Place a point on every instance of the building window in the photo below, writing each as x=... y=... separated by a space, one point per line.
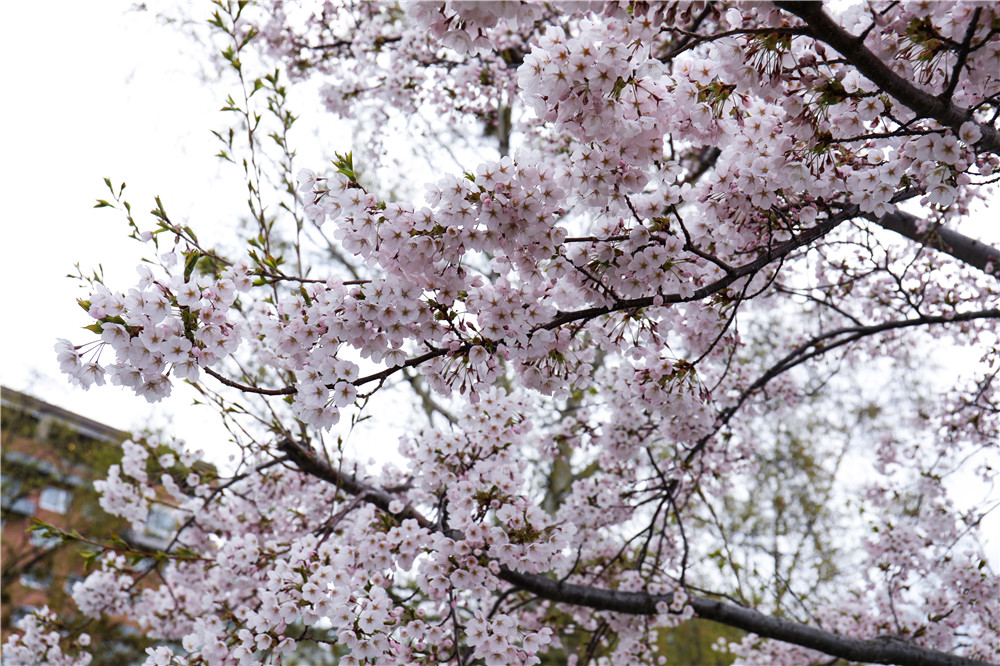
x=55 y=499
x=9 y=487
x=161 y=521
x=36 y=579
x=145 y=564
x=23 y=506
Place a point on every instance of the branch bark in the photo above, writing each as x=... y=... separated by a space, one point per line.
x=772 y=254
x=765 y=258
x=308 y=462
x=968 y=250
x=823 y=344
x=880 y=650
x=825 y=29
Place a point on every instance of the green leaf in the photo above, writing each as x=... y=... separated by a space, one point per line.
x=345 y=164
x=89 y=557
x=189 y=265
x=39 y=525
x=616 y=90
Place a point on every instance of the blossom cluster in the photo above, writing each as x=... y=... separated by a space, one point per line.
x=40 y=642
x=681 y=239
x=158 y=330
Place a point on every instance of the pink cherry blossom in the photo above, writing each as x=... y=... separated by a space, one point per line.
x=649 y=292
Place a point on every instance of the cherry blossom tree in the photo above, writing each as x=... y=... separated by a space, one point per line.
x=659 y=284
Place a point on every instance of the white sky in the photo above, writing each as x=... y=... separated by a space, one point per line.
x=92 y=90
x=103 y=91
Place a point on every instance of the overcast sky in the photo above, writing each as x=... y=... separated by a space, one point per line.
x=92 y=90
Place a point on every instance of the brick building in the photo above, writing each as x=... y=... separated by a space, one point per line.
x=50 y=459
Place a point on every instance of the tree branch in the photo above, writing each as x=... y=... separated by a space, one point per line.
x=875 y=651
x=963 y=54
x=825 y=29
x=968 y=250
x=878 y=650
x=309 y=463
x=772 y=254
x=823 y=344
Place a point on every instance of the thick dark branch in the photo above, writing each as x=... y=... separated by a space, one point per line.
x=831 y=340
x=288 y=390
x=824 y=344
x=877 y=650
x=703 y=161
x=968 y=250
x=825 y=29
x=874 y=651
x=963 y=54
x=771 y=255
x=311 y=464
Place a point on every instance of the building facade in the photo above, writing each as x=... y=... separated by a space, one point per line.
x=50 y=460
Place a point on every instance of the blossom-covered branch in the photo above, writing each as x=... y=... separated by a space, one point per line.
x=616 y=276
x=973 y=252
x=853 y=48
x=878 y=650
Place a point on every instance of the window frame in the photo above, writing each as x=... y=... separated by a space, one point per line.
x=46 y=502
